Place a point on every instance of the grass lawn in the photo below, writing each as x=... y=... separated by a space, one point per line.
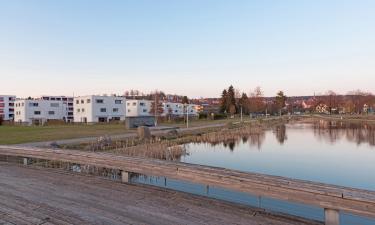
x=25 y=134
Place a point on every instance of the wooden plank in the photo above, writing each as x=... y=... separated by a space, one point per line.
x=351 y=200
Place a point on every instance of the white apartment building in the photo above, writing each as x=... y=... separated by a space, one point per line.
x=95 y=108
x=138 y=108
x=179 y=109
x=7 y=107
x=66 y=101
x=38 y=111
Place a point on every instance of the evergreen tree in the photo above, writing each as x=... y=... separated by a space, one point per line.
x=280 y=100
x=223 y=101
x=231 y=100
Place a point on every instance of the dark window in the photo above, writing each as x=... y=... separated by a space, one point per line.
x=99 y=101
x=103 y=110
x=118 y=101
x=36 y=112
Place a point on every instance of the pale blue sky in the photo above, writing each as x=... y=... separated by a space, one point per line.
x=192 y=47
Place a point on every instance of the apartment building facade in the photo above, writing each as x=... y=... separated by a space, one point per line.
x=40 y=110
x=67 y=102
x=138 y=108
x=179 y=109
x=96 y=108
x=7 y=107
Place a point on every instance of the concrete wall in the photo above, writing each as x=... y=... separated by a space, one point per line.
x=134 y=122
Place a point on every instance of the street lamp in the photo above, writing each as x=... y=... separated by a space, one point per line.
x=187 y=114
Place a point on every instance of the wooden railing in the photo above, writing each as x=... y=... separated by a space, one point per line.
x=331 y=198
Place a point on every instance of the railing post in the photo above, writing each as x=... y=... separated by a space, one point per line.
x=25 y=161
x=125 y=177
x=331 y=217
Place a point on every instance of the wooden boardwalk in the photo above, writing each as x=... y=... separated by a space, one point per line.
x=329 y=197
x=30 y=195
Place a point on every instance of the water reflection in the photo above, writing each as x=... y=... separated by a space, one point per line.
x=323 y=130
x=280 y=133
x=333 y=131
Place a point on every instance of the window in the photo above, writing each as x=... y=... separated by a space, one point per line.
x=99 y=101
x=82 y=101
x=82 y=110
x=115 y=109
x=144 y=110
x=103 y=110
x=54 y=104
x=118 y=101
x=88 y=100
x=167 y=106
x=129 y=110
x=51 y=112
x=128 y=103
x=78 y=110
x=36 y=112
x=142 y=104
x=77 y=101
x=33 y=104
x=134 y=103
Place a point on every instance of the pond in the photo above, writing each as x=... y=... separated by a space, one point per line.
x=322 y=151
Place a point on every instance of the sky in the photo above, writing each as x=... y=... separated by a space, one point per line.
x=188 y=47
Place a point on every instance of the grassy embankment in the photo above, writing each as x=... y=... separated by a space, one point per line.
x=16 y=134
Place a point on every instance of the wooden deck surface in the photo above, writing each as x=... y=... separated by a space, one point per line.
x=356 y=201
x=30 y=195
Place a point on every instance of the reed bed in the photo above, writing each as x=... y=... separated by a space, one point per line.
x=172 y=147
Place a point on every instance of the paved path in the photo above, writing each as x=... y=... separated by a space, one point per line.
x=30 y=195
x=154 y=131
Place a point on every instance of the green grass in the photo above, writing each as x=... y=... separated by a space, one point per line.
x=25 y=134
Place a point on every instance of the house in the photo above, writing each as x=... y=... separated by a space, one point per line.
x=67 y=102
x=322 y=108
x=99 y=108
x=179 y=109
x=40 y=110
x=7 y=107
x=138 y=113
x=137 y=107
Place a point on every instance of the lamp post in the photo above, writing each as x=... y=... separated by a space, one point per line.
x=187 y=115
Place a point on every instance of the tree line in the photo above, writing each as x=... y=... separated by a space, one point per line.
x=354 y=102
x=234 y=101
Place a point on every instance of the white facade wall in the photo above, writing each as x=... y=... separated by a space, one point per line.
x=95 y=108
x=7 y=106
x=136 y=108
x=38 y=111
x=67 y=102
x=179 y=109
